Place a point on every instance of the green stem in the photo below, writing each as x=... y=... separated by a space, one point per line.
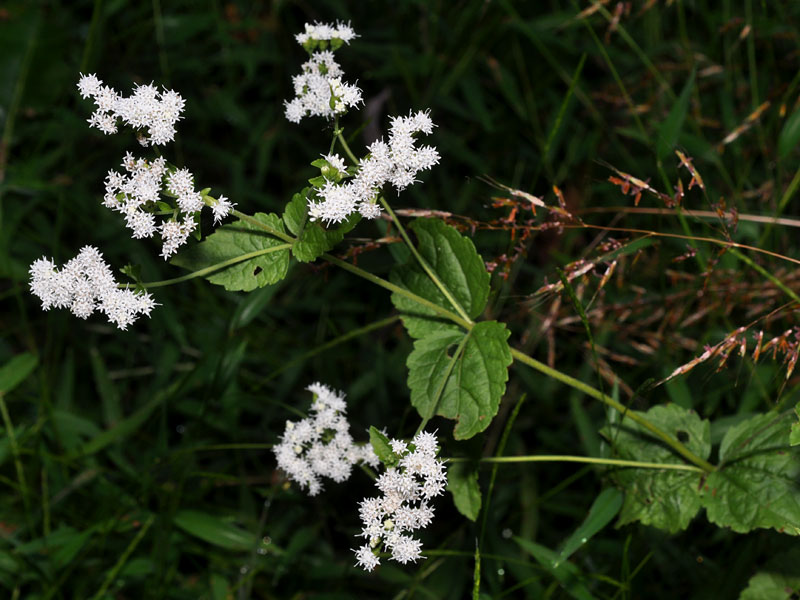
x=212 y=268
x=12 y=441
x=613 y=462
x=621 y=408
x=347 y=150
x=256 y=223
x=424 y=263
x=399 y=290
x=112 y=574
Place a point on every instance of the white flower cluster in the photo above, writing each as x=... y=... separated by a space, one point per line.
x=320 y=91
x=145 y=108
x=404 y=506
x=86 y=284
x=138 y=189
x=321 y=445
x=323 y=32
x=396 y=162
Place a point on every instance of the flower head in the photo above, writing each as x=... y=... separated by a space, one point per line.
x=407 y=489
x=86 y=284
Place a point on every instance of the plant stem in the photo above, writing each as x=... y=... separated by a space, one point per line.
x=212 y=268
x=424 y=263
x=613 y=462
x=112 y=574
x=347 y=150
x=622 y=409
x=399 y=290
x=12 y=441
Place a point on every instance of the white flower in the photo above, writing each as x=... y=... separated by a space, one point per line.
x=146 y=108
x=86 y=284
x=404 y=506
x=318 y=32
x=174 y=234
x=321 y=445
x=396 y=162
x=222 y=208
x=320 y=91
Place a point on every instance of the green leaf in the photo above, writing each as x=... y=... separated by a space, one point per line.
x=313 y=240
x=235 y=240
x=214 y=530
x=460 y=375
x=790 y=135
x=794 y=434
x=757 y=483
x=604 y=508
x=664 y=499
x=670 y=129
x=462 y=482
x=382 y=448
x=458 y=266
x=779 y=580
x=16 y=371
x=567 y=574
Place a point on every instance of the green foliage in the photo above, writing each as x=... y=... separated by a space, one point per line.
x=757 y=483
x=790 y=135
x=665 y=499
x=462 y=482
x=215 y=530
x=16 y=370
x=604 y=508
x=671 y=128
x=460 y=375
x=269 y=264
x=778 y=580
x=567 y=574
x=456 y=263
x=382 y=447
x=313 y=239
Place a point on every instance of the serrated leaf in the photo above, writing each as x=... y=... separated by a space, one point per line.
x=794 y=434
x=461 y=375
x=778 y=580
x=214 y=530
x=757 y=484
x=313 y=239
x=604 y=508
x=382 y=448
x=459 y=267
x=671 y=127
x=790 y=135
x=234 y=240
x=666 y=499
x=16 y=371
x=462 y=482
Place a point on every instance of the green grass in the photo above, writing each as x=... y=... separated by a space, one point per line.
x=136 y=464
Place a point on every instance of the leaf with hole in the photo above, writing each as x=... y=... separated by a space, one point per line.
x=667 y=499
x=268 y=259
x=460 y=375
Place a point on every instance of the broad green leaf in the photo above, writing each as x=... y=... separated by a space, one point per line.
x=460 y=375
x=757 y=484
x=458 y=266
x=462 y=482
x=794 y=434
x=778 y=580
x=214 y=530
x=112 y=409
x=666 y=499
x=235 y=240
x=604 y=508
x=16 y=371
x=567 y=574
x=670 y=129
x=382 y=448
x=313 y=239
x=790 y=135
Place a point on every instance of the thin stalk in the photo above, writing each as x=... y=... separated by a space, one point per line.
x=212 y=268
x=112 y=574
x=346 y=148
x=399 y=290
x=256 y=223
x=424 y=263
x=612 y=462
x=619 y=407
x=12 y=441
